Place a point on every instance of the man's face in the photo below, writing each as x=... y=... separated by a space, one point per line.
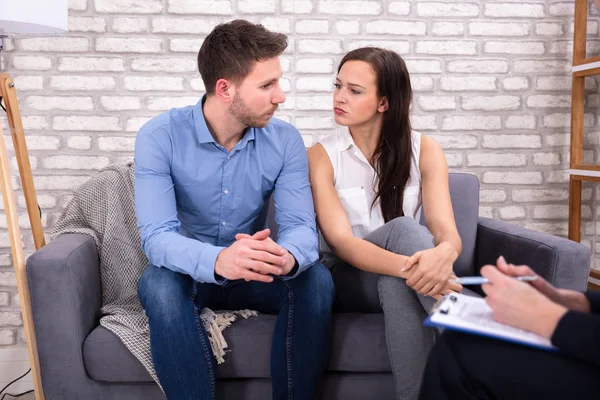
x=258 y=94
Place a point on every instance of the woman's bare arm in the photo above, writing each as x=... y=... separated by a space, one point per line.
x=335 y=226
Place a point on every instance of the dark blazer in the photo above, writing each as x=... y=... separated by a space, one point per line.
x=578 y=334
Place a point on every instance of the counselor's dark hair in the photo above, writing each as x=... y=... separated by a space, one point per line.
x=392 y=156
x=232 y=48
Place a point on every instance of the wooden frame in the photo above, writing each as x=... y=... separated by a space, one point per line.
x=577 y=112
x=582 y=66
x=8 y=93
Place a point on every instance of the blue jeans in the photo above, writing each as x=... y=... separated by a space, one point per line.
x=181 y=351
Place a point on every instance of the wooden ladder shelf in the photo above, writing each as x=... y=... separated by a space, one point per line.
x=579 y=172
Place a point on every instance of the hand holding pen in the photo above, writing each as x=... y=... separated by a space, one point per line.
x=519 y=304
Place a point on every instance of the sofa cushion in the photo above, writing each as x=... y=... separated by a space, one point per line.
x=107 y=359
x=358 y=346
x=464 y=193
x=335 y=385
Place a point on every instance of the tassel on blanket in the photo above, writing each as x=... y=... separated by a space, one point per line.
x=214 y=323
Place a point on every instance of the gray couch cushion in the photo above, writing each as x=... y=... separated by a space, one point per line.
x=346 y=386
x=464 y=193
x=107 y=359
x=359 y=346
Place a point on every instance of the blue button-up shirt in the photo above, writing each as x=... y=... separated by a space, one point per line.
x=192 y=196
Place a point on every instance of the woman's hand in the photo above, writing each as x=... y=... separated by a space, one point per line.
x=432 y=269
x=571 y=299
x=519 y=304
x=450 y=287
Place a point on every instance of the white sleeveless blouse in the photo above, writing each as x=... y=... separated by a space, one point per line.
x=353 y=178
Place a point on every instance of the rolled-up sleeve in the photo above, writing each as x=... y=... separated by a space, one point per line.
x=294 y=206
x=156 y=211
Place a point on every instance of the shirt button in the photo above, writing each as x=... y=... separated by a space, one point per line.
x=225 y=191
x=223 y=223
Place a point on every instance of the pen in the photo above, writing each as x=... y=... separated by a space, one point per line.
x=479 y=280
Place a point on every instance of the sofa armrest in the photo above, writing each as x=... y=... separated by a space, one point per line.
x=65 y=289
x=562 y=262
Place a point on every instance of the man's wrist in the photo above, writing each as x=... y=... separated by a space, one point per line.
x=219 y=279
x=292 y=260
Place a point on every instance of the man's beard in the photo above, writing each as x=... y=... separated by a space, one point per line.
x=240 y=111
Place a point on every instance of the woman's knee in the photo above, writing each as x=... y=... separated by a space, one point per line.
x=411 y=233
x=407 y=224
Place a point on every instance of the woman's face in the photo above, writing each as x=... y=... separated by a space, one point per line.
x=355 y=99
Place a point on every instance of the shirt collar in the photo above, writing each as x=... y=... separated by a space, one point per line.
x=204 y=135
x=248 y=136
x=345 y=139
x=202 y=131
x=347 y=144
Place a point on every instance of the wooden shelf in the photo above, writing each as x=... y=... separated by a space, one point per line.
x=579 y=172
x=586 y=167
x=586 y=69
x=584 y=175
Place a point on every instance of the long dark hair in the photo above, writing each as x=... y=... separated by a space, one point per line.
x=392 y=156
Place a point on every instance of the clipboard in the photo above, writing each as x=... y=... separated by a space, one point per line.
x=472 y=315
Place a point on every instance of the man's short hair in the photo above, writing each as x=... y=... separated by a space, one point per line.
x=231 y=49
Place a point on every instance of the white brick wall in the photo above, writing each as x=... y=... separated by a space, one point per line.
x=491 y=82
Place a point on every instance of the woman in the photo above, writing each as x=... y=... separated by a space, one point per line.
x=369 y=180
x=464 y=367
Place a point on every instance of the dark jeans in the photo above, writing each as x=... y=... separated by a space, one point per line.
x=469 y=367
x=181 y=350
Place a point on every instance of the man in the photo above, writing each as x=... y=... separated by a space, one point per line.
x=203 y=178
x=463 y=366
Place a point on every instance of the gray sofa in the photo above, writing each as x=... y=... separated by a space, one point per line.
x=81 y=360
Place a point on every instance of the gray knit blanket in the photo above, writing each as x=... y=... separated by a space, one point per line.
x=103 y=208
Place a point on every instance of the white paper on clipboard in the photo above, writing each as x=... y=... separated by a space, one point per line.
x=472 y=315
